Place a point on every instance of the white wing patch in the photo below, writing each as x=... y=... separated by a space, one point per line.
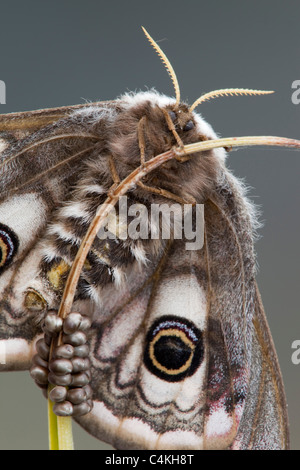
x=134 y=434
x=24 y=214
x=3 y=145
x=147 y=398
x=16 y=354
x=181 y=296
x=122 y=329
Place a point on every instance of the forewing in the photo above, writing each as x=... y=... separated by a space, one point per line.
x=41 y=158
x=21 y=124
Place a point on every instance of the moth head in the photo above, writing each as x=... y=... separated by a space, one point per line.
x=151 y=124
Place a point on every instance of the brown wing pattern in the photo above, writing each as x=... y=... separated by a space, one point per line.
x=139 y=402
x=181 y=354
x=40 y=158
x=21 y=124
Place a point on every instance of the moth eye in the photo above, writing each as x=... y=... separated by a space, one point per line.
x=172 y=116
x=8 y=246
x=189 y=126
x=174 y=348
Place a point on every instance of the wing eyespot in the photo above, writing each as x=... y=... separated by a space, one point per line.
x=174 y=348
x=9 y=245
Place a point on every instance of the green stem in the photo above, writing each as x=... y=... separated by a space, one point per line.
x=52 y=428
x=59 y=430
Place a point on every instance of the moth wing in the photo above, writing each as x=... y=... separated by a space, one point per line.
x=174 y=365
x=237 y=313
x=141 y=400
x=265 y=421
x=149 y=360
x=40 y=153
x=20 y=124
x=157 y=361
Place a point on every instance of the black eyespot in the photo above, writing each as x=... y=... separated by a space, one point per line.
x=174 y=348
x=189 y=126
x=8 y=246
x=172 y=116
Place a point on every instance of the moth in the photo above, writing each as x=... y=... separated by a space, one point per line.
x=171 y=348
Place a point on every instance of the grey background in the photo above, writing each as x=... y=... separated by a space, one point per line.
x=56 y=53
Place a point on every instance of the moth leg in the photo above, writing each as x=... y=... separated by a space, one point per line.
x=141 y=138
x=113 y=170
x=165 y=193
x=64 y=365
x=114 y=175
x=172 y=128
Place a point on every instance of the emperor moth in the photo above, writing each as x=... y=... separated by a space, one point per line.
x=180 y=354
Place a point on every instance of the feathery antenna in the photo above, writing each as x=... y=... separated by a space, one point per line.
x=167 y=64
x=226 y=92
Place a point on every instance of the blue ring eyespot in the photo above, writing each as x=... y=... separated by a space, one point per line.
x=174 y=348
x=9 y=245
